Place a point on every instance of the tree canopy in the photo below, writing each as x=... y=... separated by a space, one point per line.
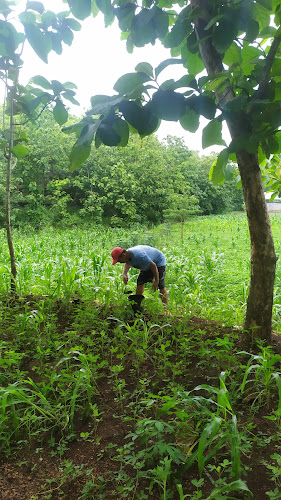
x=245 y=45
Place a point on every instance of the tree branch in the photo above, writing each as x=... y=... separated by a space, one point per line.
x=267 y=68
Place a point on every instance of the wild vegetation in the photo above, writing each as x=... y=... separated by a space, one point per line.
x=99 y=403
x=95 y=401
x=114 y=186
x=237 y=45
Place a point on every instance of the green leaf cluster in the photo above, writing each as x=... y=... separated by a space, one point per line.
x=244 y=90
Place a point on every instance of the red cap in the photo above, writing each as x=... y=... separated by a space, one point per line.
x=116 y=252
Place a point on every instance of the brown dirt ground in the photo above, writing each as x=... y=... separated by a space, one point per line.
x=25 y=474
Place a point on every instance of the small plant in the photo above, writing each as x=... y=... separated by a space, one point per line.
x=160 y=475
x=275 y=469
x=274 y=495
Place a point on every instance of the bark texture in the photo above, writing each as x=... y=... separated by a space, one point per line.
x=8 y=199
x=263 y=258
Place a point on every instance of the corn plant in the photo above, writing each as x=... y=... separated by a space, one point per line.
x=261 y=366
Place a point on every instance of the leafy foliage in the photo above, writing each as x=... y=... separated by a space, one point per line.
x=45 y=31
x=244 y=92
x=116 y=186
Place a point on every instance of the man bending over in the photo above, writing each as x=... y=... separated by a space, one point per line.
x=151 y=263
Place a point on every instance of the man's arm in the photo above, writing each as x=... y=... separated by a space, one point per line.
x=154 y=269
x=125 y=271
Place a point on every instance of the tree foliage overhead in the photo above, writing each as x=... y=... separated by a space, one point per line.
x=45 y=31
x=245 y=46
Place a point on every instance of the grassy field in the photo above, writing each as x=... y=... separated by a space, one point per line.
x=207 y=273
x=96 y=403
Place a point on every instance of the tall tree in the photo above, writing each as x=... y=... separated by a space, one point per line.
x=45 y=31
x=236 y=43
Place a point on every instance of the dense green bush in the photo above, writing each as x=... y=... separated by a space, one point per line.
x=115 y=185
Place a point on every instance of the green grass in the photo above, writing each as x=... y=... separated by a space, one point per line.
x=207 y=275
x=189 y=404
x=69 y=372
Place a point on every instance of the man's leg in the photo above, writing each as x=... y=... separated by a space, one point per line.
x=139 y=289
x=164 y=296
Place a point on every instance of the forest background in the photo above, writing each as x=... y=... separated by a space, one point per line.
x=115 y=186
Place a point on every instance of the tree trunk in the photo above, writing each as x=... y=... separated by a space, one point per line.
x=8 y=199
x=263 y=259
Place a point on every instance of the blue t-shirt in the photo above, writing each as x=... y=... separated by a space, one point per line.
x=142 y=255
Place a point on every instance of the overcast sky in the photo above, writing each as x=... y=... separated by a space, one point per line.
x=95 y=61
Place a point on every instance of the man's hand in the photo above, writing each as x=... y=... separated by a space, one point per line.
x=125 y=270
x=125 y=278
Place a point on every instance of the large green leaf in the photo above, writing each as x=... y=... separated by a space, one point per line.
x=217 y=172
x=103 y=103
x=66 y=35
x=165 y=64
x=193 y=62
x=108 y=135
x=168 y=105
x=192 y=43
x=252 y=31
x=224 y=34
x=267 y=4
x=8 y=38
x=141 y=118
x=49 y=18
x=261 y=15
x=186 y=81
x=41 y=81
x=122 y=129
x=37 y=6
x=80 y=8
x=212 y=134
x=106 y=8
x=56 y=41
x=73 y=24
x=39 y=41
x=161 y=22
x=125 y=15
x=20 y=151
x=143 y=28
x=29 y=104
x=88 y=133
x=69 y=95
x=232 y=55
x=178 y=33
x=276 y=68
x=273 y=144
x=250 y=55
x=76 y=129
x=203 y=105
x=78 y=155
x=237 y=104
x=190 y=120
x=145 y=68
x=60 y=113
x=133 y=113
x=129 y=82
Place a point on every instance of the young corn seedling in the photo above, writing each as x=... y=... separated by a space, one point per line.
x=262 y=367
